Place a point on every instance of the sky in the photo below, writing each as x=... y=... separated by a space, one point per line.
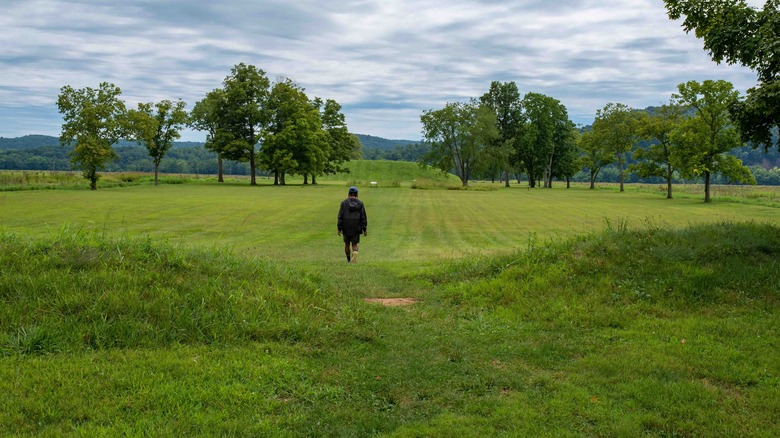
x=384 y=61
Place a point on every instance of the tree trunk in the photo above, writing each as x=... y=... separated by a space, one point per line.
x=156 y=166
x=252 y=168
x=282 y=179
x=219 y=169
x=620 y=170
x=568 y=182
x=707 y=187
x=506 y=178
x=669 y=174
x=276 y=177
x=314 y=180
x=306 y=179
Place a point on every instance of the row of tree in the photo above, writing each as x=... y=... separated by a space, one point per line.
x=691 y=136
x=502 y=133
x=273 y=127
x=195 y=159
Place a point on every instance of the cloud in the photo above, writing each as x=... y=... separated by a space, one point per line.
x=385 y=62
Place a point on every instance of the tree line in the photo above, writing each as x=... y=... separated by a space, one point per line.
x=193 y=158
x=501 y=132
x=274 y=127
x=691 y=135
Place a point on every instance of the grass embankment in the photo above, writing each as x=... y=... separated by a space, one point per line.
x=361 y=172
x=619 y=333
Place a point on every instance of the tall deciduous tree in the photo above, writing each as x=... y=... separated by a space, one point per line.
x=205 y=116
x=295 y=142
x=546 y=127
x=705 y=138
x=504 y=100
x=615 y=125
x=244 y=115
x=595 y=155
x=658 y=159
x=560 y=156
x=563 y=164
x=737 y=33
x=458 y=135
x=342 y=146
x=93 y=122
x=156 y=126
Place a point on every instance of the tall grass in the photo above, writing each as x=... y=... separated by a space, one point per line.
x=625 y=332
x=81 y=291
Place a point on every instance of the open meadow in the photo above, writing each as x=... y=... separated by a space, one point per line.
x=199 y=308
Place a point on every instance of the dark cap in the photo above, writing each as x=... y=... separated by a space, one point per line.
x=353 y=189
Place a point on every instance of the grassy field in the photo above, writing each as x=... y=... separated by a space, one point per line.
x=208 y=309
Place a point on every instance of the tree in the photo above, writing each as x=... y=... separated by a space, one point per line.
x=94 y=121
x=342 y=146
x=244 y=115
x=565 y=163
x=295 y=142
x=705 y=138
x=205 y=116
x=595 y=155
x=458 y=135
x=737 y=33
x=156 y=126
x=545 y=132
x=657 y=160
x=615 y=126
x=561 y=156
x=504 y=100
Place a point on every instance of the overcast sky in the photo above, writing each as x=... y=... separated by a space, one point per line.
x=384 y=61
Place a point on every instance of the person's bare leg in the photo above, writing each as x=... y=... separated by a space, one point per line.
x=347 y=252
x=354 y=253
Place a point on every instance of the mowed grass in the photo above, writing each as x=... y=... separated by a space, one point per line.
x=298 y=223
x=229 y=310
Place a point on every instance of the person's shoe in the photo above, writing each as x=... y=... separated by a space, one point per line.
x=354 y=257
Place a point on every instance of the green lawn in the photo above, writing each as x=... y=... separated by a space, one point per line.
x=208 y=309
x=298 y=223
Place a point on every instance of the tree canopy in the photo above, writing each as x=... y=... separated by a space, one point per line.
x=156 y=126
x=459 y=135
x=658 y=159
x=705 y=138
x=615 y=126
x=737 y=33
x=244 y=114
x=94 y=119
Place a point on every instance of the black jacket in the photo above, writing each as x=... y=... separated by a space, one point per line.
x=352 y=217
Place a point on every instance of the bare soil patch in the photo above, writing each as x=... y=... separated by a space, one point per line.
x=392 y=302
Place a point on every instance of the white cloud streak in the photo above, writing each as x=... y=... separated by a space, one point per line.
x=385 y=62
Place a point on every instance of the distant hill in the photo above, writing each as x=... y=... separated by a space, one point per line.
x=35 y=141
x=369 y=141
x=28 y=142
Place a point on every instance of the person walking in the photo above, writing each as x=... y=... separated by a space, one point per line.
x=352 y=223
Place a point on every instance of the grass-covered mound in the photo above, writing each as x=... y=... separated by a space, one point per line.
x=389 y=173
x=78 y=292
x=652 y=332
